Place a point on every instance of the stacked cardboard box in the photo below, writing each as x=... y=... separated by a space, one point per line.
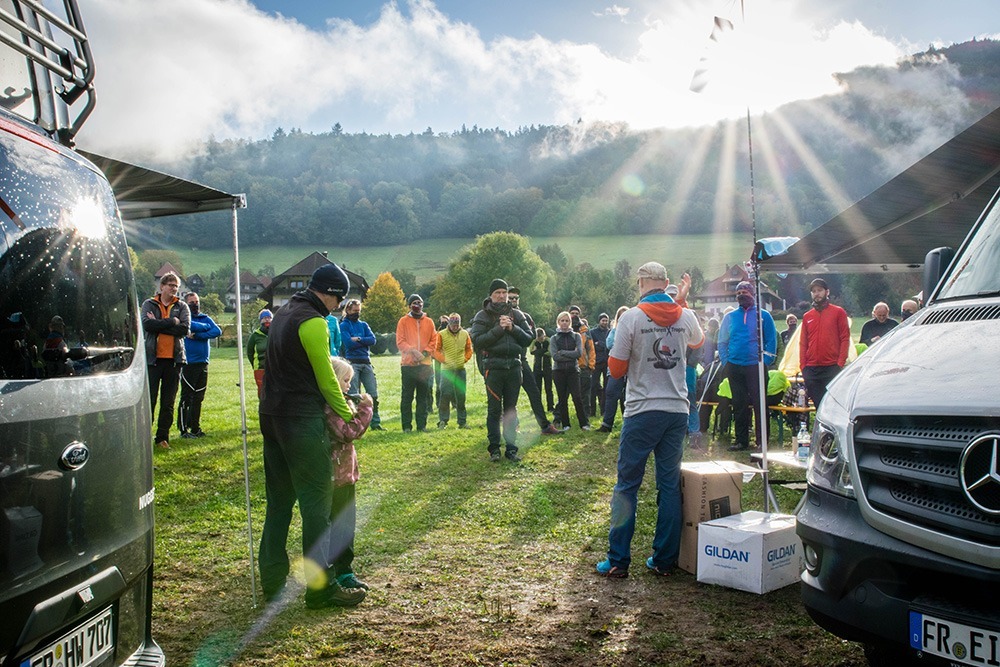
x=709 y=490
x=752 y=551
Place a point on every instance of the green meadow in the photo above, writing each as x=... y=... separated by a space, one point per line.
x=470 y=562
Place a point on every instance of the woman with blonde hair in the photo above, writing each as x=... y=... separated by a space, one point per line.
x=566 y=346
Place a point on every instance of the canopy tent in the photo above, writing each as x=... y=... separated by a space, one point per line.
x=933 y=203
x=146 y=193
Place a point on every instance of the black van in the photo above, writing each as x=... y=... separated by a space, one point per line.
x=76 y=481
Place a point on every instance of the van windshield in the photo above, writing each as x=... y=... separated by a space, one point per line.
x=975 y=272
x=67 y=305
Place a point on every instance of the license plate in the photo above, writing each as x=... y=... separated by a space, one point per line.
x=86 y=645
x=954 y=641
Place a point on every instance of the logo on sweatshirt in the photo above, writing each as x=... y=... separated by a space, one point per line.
x=665 y=357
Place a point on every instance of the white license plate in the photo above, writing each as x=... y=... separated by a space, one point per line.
x=86 y=645
x=954 y=641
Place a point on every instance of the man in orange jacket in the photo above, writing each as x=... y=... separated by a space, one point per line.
x=415 y=338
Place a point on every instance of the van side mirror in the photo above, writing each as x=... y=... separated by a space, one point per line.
x=935 y=264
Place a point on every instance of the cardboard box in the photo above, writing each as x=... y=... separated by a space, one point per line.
x=752 y=551
x=709 y=490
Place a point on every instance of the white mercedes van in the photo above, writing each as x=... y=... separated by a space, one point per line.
x=901 y=520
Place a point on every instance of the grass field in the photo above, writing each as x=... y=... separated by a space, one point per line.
x=429 y=259
x=470 y=562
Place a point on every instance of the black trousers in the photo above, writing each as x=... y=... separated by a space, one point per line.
x=543 y=378
x=164 y=376
x=534 y=395
x=816 y=378
x=744 y=381
x=415 y=379
x=503 y=385
x=567 y=384
x=194 y=380
x=297 y=468
x=585 y=374
x=343 y=524
x=598 y=385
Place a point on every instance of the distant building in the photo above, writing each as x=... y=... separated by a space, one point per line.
x=196 y=283
x=250 y=289
x=720 y=293
x=284 y=285
x=168 y=268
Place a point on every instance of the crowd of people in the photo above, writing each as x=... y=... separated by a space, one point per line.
x=318 y=391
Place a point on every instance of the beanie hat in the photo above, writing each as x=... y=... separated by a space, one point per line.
x=602 y=316
x=412 y=298
x=818 y=282
x=744 y=285
x=330 y=279
x=576 y=308
x=264 y=313
x=497 y=284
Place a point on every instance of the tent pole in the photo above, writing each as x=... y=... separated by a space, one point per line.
x=243 y=398
x=761 y=374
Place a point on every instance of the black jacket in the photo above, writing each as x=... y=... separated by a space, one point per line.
x=500 y=348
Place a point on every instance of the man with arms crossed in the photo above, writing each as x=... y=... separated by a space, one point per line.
x=651 y=344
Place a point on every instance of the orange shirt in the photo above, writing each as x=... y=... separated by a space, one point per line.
x=165 y=342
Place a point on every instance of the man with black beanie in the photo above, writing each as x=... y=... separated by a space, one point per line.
x=501 y=333
x=297 y=452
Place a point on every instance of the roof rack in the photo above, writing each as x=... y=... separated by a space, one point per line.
x=41 y=32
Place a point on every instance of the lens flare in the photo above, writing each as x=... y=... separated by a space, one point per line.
x=87 y=218
x=633 y=185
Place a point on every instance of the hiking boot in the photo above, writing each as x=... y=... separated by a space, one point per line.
x=606 y=569
x=199 y=434
x=585 y=427
x=376 y=427
x=349 y=580
x=442 y=425
x=495 y=456
x=551 y=430
x=604 y=428
x=512 y=457
x=463 y=426
x=188 y=436
x=163 y=444
x=658 y=571
x=738 y=448
x=334 y=596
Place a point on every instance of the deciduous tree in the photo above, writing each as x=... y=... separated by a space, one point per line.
x=385 y=304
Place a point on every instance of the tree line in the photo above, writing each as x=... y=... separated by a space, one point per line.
x=585 y=179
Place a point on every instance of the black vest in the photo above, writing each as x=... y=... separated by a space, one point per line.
x=290 y=386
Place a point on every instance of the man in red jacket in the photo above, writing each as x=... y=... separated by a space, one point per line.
x=824 y=341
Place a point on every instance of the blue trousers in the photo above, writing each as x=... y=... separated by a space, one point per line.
x=662 y=435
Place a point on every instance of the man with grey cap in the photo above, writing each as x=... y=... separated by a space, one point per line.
x=500 y=332
x=651 y=346
x=297 y=452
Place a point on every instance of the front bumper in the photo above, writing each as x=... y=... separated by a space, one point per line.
x=865 y=583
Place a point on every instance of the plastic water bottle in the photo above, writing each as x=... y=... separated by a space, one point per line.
x=803 y=439
x=802 y=398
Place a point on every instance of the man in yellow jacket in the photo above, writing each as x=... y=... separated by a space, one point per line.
x=453 y=348
x=415 y=338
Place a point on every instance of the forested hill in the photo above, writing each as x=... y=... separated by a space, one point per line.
x=811 y=159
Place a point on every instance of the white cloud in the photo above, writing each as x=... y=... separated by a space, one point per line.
x=614 y=10
x=170 y=74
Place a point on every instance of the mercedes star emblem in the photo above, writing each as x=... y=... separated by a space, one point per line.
x=979 y=472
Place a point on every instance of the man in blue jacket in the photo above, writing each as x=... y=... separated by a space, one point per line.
x=357 y=338
x=194 y=375
x=738 y=347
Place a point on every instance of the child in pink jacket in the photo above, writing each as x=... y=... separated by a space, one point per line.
x=343 y=513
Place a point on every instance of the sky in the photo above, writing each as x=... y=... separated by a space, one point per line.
x=172 y=74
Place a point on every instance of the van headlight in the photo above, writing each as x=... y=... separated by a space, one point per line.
x=829 y=467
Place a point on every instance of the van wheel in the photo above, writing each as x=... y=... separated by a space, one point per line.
x=890 y=655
